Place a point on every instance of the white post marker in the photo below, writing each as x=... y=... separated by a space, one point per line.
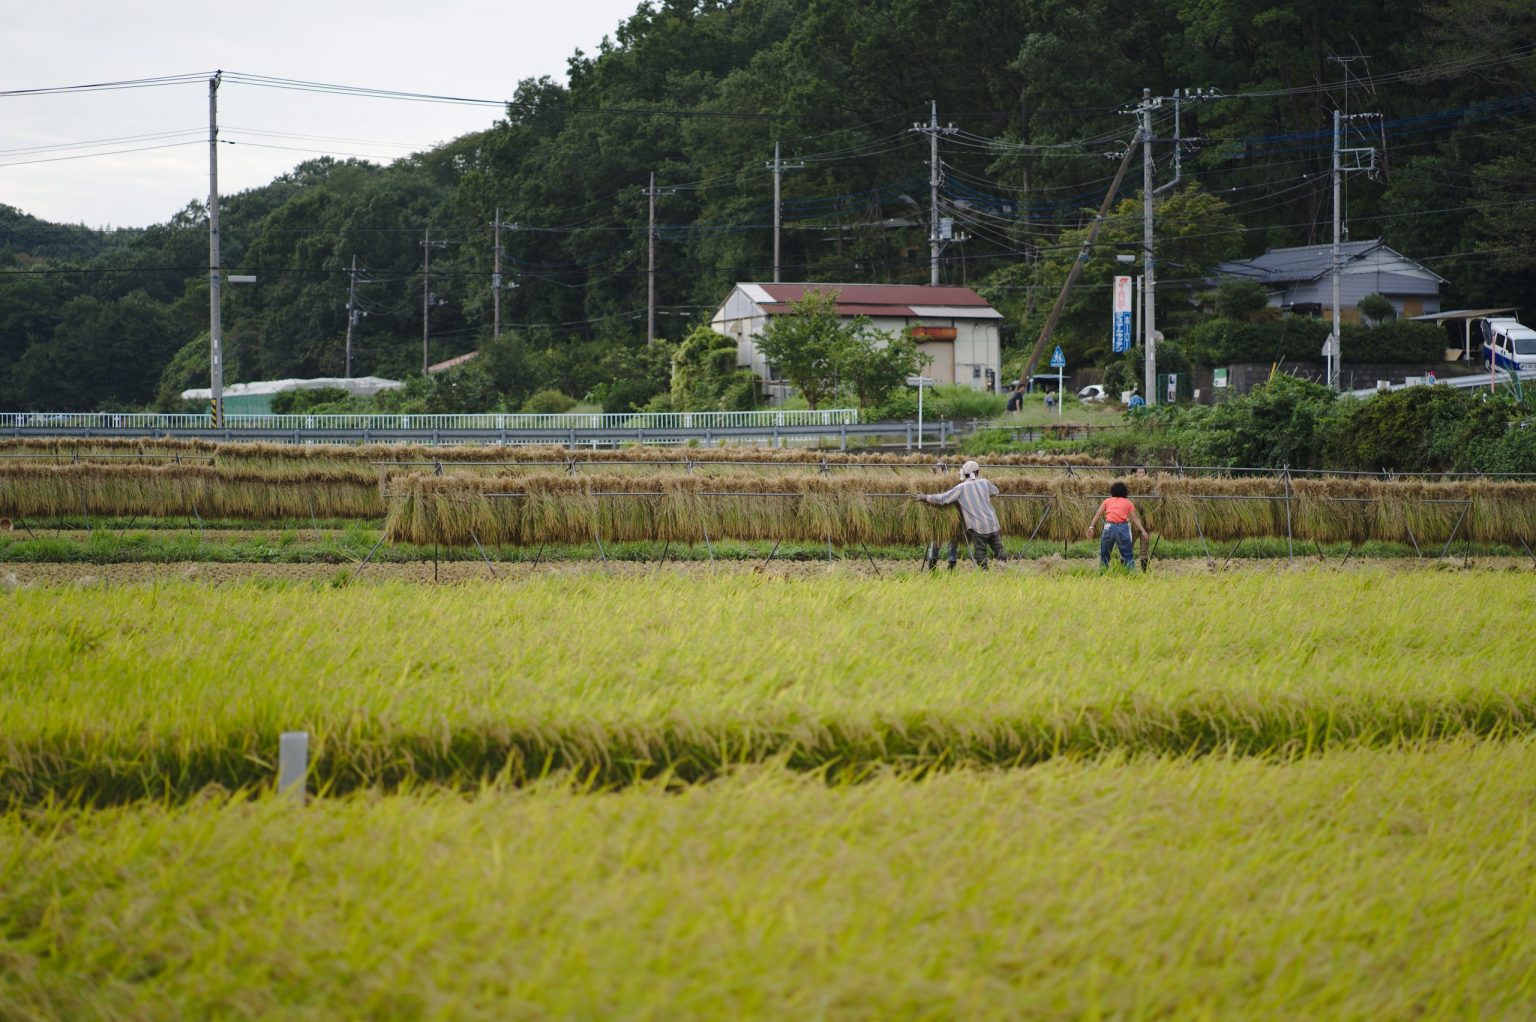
x=292 y=764
x=920 y=382
x=1059 y=363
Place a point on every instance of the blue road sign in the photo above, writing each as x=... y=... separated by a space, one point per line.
x=1058 y=360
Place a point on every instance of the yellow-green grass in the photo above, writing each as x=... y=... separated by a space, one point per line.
x=869 y=507
x=113 y=694
x=1361 y=884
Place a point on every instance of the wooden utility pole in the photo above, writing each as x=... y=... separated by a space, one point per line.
x=1077 y=263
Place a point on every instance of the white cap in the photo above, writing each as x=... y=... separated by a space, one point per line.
x=969 y=470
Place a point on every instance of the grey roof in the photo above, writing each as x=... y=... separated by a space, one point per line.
x=1287 y=265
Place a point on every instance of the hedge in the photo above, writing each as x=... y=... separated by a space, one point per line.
x=1300 y=339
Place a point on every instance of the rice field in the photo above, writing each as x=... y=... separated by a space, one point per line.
x=1272 y=793
x=157 y=691
x=1357 y=884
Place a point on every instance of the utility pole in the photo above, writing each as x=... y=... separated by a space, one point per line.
x=1359 y=159
x=650 y=273
x=1335 y=349
x=936 y=238
x=1148 y=279
x=427 y=245
x=215 y=311
x=778 y=166
x=496 y=284
x=1077 y=264
x=351 y=313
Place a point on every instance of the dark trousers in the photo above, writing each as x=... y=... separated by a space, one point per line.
x=980 y=544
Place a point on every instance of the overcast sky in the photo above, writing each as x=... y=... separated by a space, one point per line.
x=445 y=47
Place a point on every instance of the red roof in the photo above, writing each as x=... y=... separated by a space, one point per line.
x=877 y=299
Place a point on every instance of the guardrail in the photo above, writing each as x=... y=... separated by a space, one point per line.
x=935 y=434
x=488 y=421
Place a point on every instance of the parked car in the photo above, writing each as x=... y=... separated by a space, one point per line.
x=1092 y=392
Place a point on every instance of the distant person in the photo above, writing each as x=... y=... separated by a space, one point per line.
x=1050 y=400
x=1016 y=398
x=974 y=495
x=1119 y=516
x=1136 y=401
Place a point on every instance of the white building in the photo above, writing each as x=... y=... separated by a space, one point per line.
x=954 y=325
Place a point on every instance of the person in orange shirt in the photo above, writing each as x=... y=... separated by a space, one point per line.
x=1119 y=516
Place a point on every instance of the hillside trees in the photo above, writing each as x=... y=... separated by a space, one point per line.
x=698 y=92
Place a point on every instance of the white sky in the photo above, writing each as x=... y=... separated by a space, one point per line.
x=463 y=48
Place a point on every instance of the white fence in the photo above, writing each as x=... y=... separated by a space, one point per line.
x=288 y=423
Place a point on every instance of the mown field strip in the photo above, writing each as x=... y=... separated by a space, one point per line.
x=158 y=690
x=1363 y=884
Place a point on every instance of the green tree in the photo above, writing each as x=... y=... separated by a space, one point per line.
x=806 y=345
x=874 y=363
x=705 y=376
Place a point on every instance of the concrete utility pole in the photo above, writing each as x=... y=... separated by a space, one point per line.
x=427 y=245
x=1148 y=279
x=935 y=177
x=215 y=311
x=1361 y=159
x=650 y=273
x=496 y=284
x=351 y=313
x=1334 y=347
x=778 y=166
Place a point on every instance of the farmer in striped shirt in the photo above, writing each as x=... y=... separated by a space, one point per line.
x=974 y=495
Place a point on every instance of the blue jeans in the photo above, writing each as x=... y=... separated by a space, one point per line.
x=1117 y=534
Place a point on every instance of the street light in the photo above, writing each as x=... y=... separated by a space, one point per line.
x=920 y=382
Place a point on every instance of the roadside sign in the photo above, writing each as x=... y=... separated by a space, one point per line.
x=1058 y=360
x=1120 y=319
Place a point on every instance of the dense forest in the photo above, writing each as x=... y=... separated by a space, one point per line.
x=1032 y=99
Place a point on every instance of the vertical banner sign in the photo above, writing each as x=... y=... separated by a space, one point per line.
x=1120 y=321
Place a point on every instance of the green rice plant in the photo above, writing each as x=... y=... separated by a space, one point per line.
x=1365 y=884
x=154 y=691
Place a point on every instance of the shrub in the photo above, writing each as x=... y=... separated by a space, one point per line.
x=1300 y=339
x=1240 y=299
x=952 y=401
x=298 y=402
x=1280 y=423
x=548 y=402
x=1420 y=429
x=1377 y=307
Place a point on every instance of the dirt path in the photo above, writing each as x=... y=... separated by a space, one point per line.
x=18 y=574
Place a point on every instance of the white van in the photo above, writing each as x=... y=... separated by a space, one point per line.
x=1507 y=344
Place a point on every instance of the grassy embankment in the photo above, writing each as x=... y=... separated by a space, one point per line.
x=158 y=690
x=1363 y=884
